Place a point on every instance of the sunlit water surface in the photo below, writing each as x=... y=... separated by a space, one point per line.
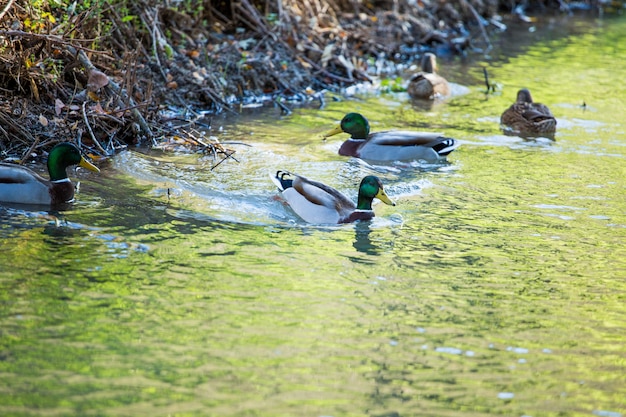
x=496 y=286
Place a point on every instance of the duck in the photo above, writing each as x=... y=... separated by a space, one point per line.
x=21 y=185
x=390 y=145
x=319 y=203
x=427 y=84
x=526 y=118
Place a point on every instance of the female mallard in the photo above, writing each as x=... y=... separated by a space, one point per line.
x=527 y=119
x=427 y=84
x=315 y=202
x=21 y=185
x=390 y=145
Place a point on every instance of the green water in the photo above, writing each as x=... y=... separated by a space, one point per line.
x=496 y=286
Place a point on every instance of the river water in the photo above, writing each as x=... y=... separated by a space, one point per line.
x=495 y=287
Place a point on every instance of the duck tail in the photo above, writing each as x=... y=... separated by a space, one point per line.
x=445 y=146
x=281 y=182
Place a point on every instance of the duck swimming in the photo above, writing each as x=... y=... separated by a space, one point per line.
x=526 y=118
x=393 y=145
x=427 y=84
x=316 y=202
x=21 y=185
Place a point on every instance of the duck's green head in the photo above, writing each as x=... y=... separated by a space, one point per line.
x=371 y=187
x=354 y=124
x=64 y=155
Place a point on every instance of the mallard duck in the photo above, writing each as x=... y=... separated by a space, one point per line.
x=21 y=185
x=528 y=119
x=390 y=145
x=315 y=202
x=427 y=84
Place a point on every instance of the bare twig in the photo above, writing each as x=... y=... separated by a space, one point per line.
x=54 y=39
x=82 y=57
x=284 y=109
x=491 y=87
x=93 y=137
x=228 y=155
x=154 y=33
x=23 y=134
x=6 y=8
x=30 y=150
x=479 y=20
x=218 y=100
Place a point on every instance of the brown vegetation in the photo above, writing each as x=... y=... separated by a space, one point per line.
x=100 y=74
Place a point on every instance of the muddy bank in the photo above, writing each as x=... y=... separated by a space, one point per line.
x=102 y=76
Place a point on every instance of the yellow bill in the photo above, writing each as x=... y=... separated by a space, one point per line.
x=382 y=196
x=86 y=164
x=333 y=132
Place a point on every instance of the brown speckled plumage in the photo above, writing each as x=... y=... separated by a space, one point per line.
x=526 y=118
x=427 y=84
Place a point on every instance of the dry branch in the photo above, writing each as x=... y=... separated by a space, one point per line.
x=82 y=57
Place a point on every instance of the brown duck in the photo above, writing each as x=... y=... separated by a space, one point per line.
x=526 y=118
x=427 y=84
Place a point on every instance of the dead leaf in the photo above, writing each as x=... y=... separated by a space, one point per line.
x=97 y=80
x=96 y=158
x=197 y=76
x=97 y=108
x=303 y=62
x=58 y=106
x=93 y=96
x=34 y=89
x=193 y=53
x=43 y=120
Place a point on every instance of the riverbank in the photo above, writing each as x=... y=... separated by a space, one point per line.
x=102 y=76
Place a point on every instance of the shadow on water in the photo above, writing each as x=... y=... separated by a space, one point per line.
x=363 y=241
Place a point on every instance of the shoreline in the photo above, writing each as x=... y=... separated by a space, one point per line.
x=58 y=88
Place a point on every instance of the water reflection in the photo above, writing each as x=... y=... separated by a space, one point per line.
x=362 y=241
x=60 y=233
